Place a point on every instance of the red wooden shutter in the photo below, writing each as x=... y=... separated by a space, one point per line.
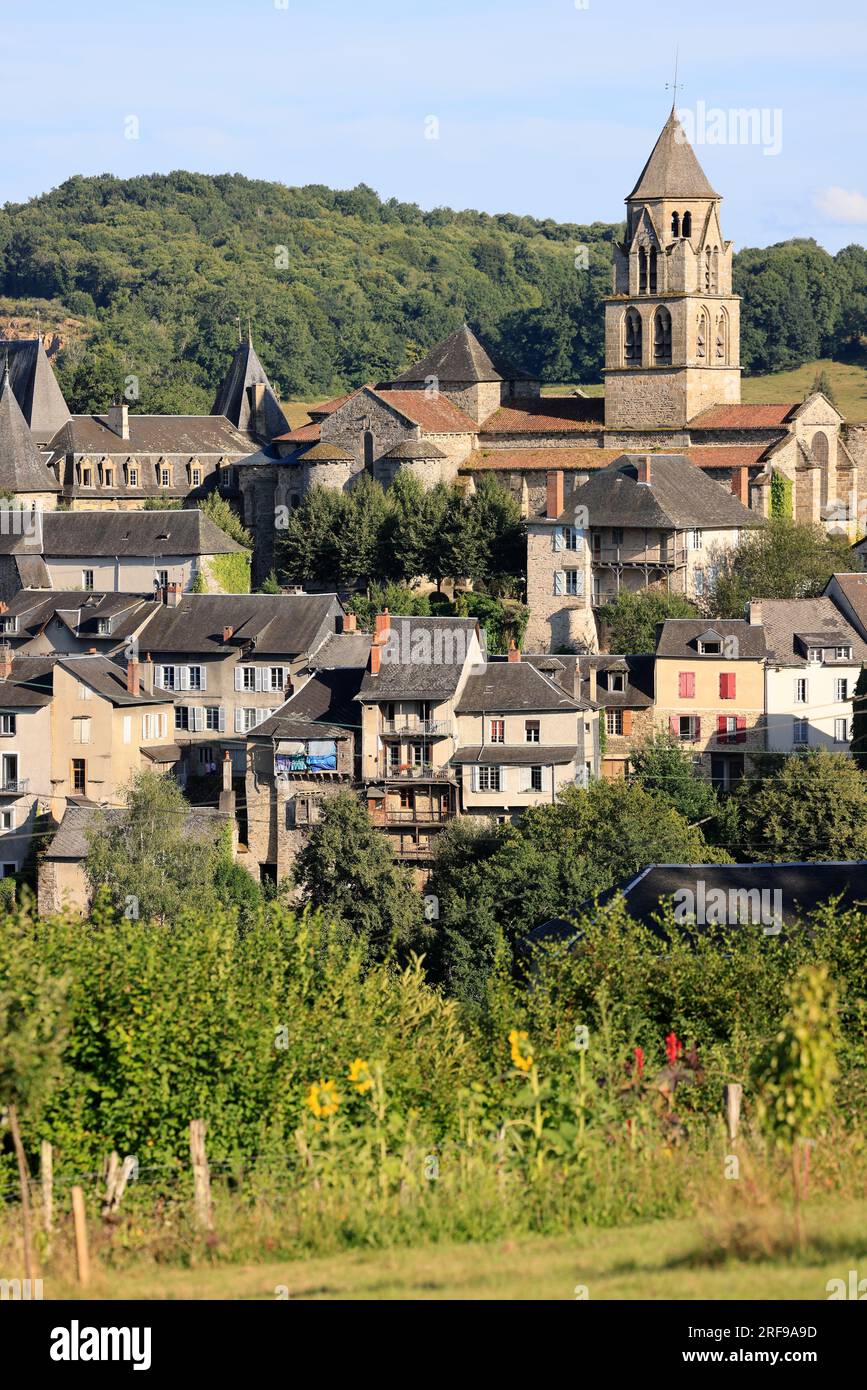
x=627 y=722
x=727 y=685
x=686 y=685
x=674 y=726
x=741 y=736
x=722 y=727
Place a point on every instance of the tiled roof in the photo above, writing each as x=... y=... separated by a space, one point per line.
x=539 y=460
x=513 y=685
x=436 y=414
x=726 y=455
x=677 y=637
x=277 y=624
x=304 y=434
x=547 y=415
x=329 y=407
x=743 y=416
x=672 y=171
x=517 y=755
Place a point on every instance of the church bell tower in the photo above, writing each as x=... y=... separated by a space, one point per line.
x=672 y=324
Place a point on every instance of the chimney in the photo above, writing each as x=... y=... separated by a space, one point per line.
x=593 y=681
x=555 y=501
x=228 y=634
x=741 y=484
x=118 y=419
x=755 y=612
x=133 y=677
x=227 y=796
x=173 y=594
x=148 y=675
x=382 y=626
x=257 y=408
x=349 y=623
x=642 y=463
x=514 y=651
x=375 y=658
x=4 y=606
x=5 y=661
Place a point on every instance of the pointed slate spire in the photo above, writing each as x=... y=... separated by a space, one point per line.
x=36 y=389
x=460 y=357
x=672 y=171
x=22 y=467
x=235 y=397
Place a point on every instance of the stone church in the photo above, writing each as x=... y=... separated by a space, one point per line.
x=672 y=385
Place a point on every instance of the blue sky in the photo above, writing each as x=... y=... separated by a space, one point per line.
x=547 y=108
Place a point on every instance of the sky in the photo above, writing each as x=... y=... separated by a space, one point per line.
x=547 y=108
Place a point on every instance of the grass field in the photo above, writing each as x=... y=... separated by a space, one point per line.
x=659 y=1260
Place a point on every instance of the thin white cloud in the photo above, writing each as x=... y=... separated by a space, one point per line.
x=843 y=205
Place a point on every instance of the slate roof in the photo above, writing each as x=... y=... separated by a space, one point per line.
x=80 y=609
x=22 y=466
x=415 y=449
x=546 y=415
x=803 y=886
x=672 y=171
x=191 y=436
x=277 y=624
x=71 y=841
x=639 y=680
x=513 y=685
x=854 y=589
x=326 y=702
x=35 y=386
x=677 y=638
x=233 y=397
x=327 y=452
x=109 y=680
x=679 y=496
x=461 y=357
x=342 y=649
x=422 y=680
x=516 y=755
x=30 y=684
x=784 y=620
x=79 y=535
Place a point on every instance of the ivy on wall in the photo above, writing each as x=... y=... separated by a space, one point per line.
x=781 y=495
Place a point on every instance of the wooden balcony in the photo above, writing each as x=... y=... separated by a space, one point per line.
x=412 y=727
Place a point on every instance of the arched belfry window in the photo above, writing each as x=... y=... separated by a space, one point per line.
x=675 y=224
x=819 y=451
x=686 y=224
x=701 y=336
x=368 y=450
x=653 y=270
x=714 y=271
x=722 y=337
x=662 y=336
x=642 y=270
x=707 y=268
x=632 y=339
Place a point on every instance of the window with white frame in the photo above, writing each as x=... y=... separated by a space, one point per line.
x=154 y=725
x=498 y=731
x=87 y=579
x=127 y=728
x=165 y=477
x=801 y=690
x=84 y=691
x=532 y=731
x=132 y=477
x=841 y=730
x=81 y=729
x=488 y=779
x=800 y=731
x=574 y=582
x=841 y=689
x=614 y=721
x=535 y=779
x=843 y=653
x=166 y=677
x=215 y=718
x=189 y=718
x=814 y=654
x=247 y=719
x=617 y=682
x=7 y=820
x=8 y=725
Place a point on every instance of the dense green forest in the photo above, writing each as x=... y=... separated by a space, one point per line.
x=343 y=287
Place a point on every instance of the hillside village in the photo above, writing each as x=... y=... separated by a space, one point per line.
x=121 y=651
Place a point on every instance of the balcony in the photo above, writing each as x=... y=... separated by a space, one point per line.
x=655 y=556
x=404 y=816
x=417 y=728
x=404 y=772
x=413 y=851
x=10 y=787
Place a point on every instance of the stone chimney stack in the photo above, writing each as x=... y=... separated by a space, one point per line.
x=148 y=675
x=5 y=661
x=555 y=499
x=349 y=623
x=514 y=651
x=118 y=419
x=644 y=468
x=133 y=677
x=227 y=795
x=257 y=408
x=228 y=634
x=741 y=484
x=173 y=594
x=593 y=676
x=755 y=613
x=382 y=626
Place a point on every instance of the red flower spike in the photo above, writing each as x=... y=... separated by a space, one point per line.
x=673 y=1048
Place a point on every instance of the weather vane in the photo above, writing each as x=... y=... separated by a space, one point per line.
x=674 y=86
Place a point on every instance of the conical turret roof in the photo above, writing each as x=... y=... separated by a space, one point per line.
x=672 y=171
x=22 y=467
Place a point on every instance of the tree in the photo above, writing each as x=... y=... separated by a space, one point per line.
x=306 y=549
x=358 y=540
x=270 y=584
x=446 y=543
x=347 y=871
x=663 y=767
x=146 y=860
x=494 y=534
x=822 y=382
x=858 y=746
x=632 y=617
x=808 y=806
x=224 y=515
x=401 y=536
x=784 y=559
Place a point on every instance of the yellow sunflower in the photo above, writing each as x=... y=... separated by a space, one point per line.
x=323 y=1099
x=523 y=1061
x=359 y=1075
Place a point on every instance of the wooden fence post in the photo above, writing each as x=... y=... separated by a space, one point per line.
x=24 y=1185
x=201 y=1173
x=115 y=1184
x=733 y=1095
x=46 y=1175
x=79 y=1221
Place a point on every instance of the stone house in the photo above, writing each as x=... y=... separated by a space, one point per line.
x=25 y=742
x=43 y=622
x=621 y=688
x=646 y=521
x=521 y=738
x=709 y=692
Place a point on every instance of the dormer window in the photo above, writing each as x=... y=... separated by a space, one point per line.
x=710 y=648
x=8 y=624
x=87 y=477
x=814 y=653
x=103 y=626
x=843 y=653
x=196 y=477
x=165 y=473
x=108 y=477
x=617 y=682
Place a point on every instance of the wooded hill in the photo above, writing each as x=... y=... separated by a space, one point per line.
x=344 y=288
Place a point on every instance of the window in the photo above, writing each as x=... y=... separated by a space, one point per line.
x=801 y=689
x=133 y=477
x=248 y=678
x=196 y=477
x=167 y=677
x=727 y=728
x=278 y=677
x=710 y=648
x=686 y=224
x=841 y=730
x=702 y=333
x=574 y=582
x=195 y=677
x=617 y=535
x=814 y=653
x=393 y=757
x=103 y=627
x=81 y=729
x=687 y=727
x=87 y=477
x=727 y=685
x=406 y=800
x=7 y=820
x=8 y=870
x=108 y=477
x=632 y=339
x=694 y=540
x=8 y=725
x=165 y=477
x=535 y=779
x=78 y=776
x=417 y=754
x=686 y=685
x=642 y=270
x=154 y=725
x=652 y=268
x=614 y=721
x=127 y=728
x=163 y=579
x=87 y=579
x=662 y=337
x=8 y=624
x=617 y=682
x=675 y=224
x=489 y=779
x=215 y=718
x=843 y=653
x=182 y=717
x=84 y=691
x=800 y=731
x=498 y=731
x=532 y=730
x=841 y=689
x=368 y=450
